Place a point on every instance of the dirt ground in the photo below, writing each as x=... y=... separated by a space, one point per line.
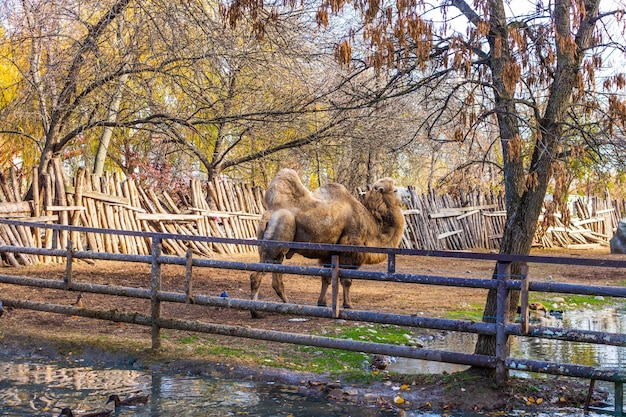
x=31 y=327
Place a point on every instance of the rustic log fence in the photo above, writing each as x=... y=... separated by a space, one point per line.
x=229 y=209
x=476 y=221
x=500 y=328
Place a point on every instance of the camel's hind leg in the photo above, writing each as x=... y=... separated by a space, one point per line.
x=255 y=284
x=279 y=286
x=280 y=226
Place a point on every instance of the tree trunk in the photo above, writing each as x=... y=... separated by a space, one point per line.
x=107 y=133
x=525 y=192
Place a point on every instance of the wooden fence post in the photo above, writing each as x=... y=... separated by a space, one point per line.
x=188 y=276
x=334 y=264
x=391 y=262
x=502 y=310
x=524 y=325
x=156 y=287
x=68 y=265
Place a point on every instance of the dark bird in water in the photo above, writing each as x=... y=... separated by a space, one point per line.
x=128 y=402
x=68 y=413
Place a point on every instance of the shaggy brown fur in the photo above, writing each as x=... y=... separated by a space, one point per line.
x=328 y=215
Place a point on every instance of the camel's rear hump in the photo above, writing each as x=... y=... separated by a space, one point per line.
x=285 y=190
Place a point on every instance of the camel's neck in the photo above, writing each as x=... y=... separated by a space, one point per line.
x=387 y=213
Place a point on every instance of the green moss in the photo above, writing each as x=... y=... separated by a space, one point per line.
x=333 y=361
x=574 y=300
x=378 y=333
x=350 y=365
x=472 y=312
x=188 y=340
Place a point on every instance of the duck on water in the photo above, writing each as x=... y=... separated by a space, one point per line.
x=128 y=402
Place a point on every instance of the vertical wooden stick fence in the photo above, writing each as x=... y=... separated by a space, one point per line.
x=225 y=208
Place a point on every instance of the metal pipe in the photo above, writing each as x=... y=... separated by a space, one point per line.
x=617 y=263
x=260 y=334
x=566 y=369
x=155 y=302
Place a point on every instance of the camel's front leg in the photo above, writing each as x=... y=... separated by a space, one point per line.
x=346 y=283
x=321 y=302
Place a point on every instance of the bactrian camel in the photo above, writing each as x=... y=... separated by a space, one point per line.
x=330 y=214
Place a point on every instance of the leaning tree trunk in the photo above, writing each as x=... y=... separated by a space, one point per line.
x=525 y=192
x=107 y=132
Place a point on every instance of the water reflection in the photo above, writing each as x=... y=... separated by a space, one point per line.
x=29 y=388
x=34 y=390
x=610 y=319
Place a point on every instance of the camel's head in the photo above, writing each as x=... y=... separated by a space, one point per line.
x=385 y=204
x=384 y=185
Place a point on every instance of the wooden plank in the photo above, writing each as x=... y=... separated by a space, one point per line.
x=442 y=214
x=166 y=217
x=64 y=208
x=587 y=221
x=583 y=246
x=469 y=208
x=226 y=214
x=501 y=213
x=469 y=213
x=41 y=219
x=448 y=234
x=15 y=207
x=100 y=196
x=609 y=210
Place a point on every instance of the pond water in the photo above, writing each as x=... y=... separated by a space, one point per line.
x=610 y=319
x=32 y=386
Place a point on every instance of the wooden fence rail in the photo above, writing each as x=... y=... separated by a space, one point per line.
x=229 y=209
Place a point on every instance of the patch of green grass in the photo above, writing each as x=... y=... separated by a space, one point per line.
x=188 y=340
x=350 y=365
x=334 y=361
x=472 y=312
x=575 y=300
x=378 y=333
x=533 y=388
x=222 y=351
